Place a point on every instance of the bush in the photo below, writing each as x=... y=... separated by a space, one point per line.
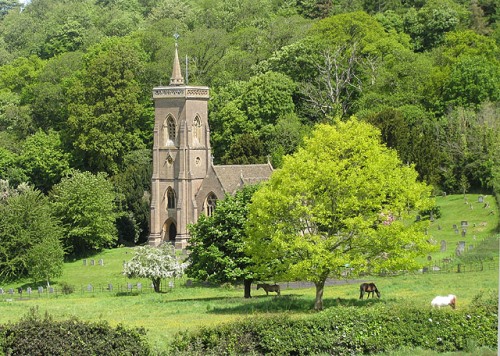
x=346 y=331
x=34 y=335
x=67 y=288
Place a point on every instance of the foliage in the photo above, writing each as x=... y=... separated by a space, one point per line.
x=342 y=199
x=35 y=334
x=85 y=204
x=30 y=236
x=67 y=288
x=345 y=331
x=154 y=263
x=216 y=244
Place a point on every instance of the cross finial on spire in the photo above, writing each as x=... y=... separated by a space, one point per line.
x=176 y=78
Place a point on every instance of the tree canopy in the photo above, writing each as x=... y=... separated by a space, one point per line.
x=343 y=199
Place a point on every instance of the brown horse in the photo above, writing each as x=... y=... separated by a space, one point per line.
x=368 y=288
x=269 y=288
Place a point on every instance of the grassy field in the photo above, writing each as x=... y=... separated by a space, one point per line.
x=184 y=307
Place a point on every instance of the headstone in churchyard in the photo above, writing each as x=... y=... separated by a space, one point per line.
x=1 y=290
x=456 y=231
x=461 y=247
x=471 y=247
x=85 y=262
x=110 y=287
x=443 y=194
x=464 y=223
x=464 y=232
x=92 y=262
x=139 y=286
x=443 y=246
x=189 y=282
x=480 y=199
x=11 y=290
x=28 y=290
x=101 y=262
x=51 y=290
x=455 y=226
x=171 y=284
x=129 y=286
x=40 y=290
x=90 y=288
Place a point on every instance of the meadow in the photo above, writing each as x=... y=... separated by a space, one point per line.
x=186 y=305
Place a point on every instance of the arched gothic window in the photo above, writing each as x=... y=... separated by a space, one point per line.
x=197 y=129
x=170 y=198
x=210 y=203
x=169 y=130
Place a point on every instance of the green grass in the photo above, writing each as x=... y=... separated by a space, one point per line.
x=190 y=307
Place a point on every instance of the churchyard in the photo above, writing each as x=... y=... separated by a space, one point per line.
x=101 y=292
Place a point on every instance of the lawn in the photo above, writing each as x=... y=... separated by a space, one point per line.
x=182 y=306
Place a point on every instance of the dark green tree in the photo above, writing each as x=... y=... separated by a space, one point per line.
x=216 y=247
x=28 y=229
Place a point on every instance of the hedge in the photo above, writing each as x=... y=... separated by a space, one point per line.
x=348 y=330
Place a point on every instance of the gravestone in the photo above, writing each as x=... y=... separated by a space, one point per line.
x=110 y=287
x=456 y=231
x=443 y=194
x=51 y=290
x=464 y=232
x=28 y=290
x=431 y=218
x=40 y=290
x=90 y=288
x=454 y=226
x=1 y=290
x=129 y=286
x=471 y=247
x=92 y=262
x=443 y=246
x=480 y=199
x=171 y=284
x=464 y=223
x=139 y=286
x=101 y=262
x=85 y=262
x=460 y=248
x=439 y=227
x=11 y=290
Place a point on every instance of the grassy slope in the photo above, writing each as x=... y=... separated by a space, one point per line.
x=191 y=307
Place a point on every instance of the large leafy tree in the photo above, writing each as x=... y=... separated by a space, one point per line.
x=85 y=203
x=30 y=235
x=217 y=243
x=107 y=115
x=342 y=199
x=155 y=263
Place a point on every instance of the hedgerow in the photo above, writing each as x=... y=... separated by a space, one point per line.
x=37 y=335
x=347 y=331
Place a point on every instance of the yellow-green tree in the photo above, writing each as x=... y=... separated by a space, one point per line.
x=342 y=199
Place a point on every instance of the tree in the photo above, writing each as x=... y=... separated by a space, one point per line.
x=85 y=203
x=216 y=243
x=28 y=230
x=154 y=263
x=44 y=160
x=342 y=199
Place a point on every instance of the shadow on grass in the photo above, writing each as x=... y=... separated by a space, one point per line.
x=289 y=303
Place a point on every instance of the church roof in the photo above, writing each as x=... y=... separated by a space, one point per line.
x=233 y=177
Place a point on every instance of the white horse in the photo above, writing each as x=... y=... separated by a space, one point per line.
x=440 y=301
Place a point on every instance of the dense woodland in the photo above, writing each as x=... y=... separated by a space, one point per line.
x=76 y=115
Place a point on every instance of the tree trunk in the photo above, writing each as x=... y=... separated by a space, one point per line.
x=320 y=287
x=248 y=287
x=156 y=284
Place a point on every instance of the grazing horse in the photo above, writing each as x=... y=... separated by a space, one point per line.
x=440 y=301
x=269 y=288
x=370 y=288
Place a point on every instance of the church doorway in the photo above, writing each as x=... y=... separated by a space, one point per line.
x=169 y=231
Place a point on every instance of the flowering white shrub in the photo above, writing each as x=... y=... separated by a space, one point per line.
x=154 y=263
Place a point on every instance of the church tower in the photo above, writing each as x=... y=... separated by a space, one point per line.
x=181 y=157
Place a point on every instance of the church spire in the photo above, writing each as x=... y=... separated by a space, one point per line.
x=176 y=78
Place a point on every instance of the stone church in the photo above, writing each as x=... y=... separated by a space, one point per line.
x=185 y=182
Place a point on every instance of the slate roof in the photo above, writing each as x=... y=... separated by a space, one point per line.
x=233 y=177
